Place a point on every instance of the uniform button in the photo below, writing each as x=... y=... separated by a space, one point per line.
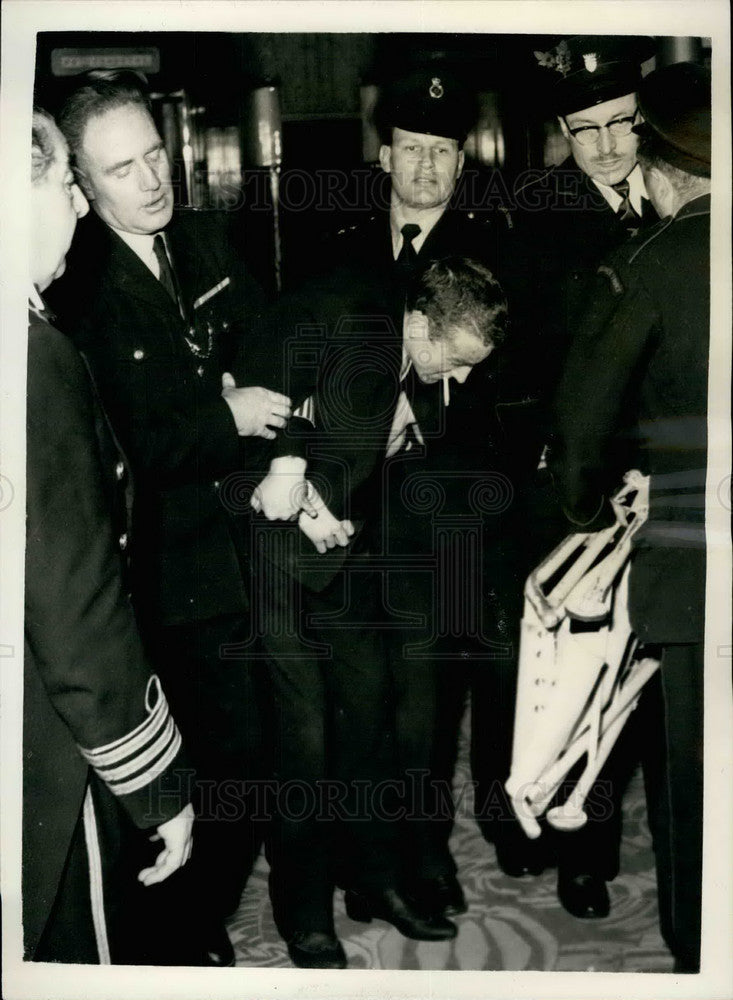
x=225 y=324
x=209 y=328
x=120 y=470
x=200 y=370
x=470 y=215
x=217 y=484
x=123 y=541
x=138 y=355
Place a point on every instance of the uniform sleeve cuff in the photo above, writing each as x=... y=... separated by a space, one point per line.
x=138 y=758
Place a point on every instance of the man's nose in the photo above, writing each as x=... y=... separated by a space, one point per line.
x=460 y=374
x=606 y=142
x=149 y=178
x=427 y=159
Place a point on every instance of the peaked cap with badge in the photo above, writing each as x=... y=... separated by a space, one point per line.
x=676 y=104
x=590 y=69
x=430 y=101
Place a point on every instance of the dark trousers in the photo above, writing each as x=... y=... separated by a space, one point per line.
x=220 y=702
x=142 y=925
x=429 y=697
x=69 y=935
x=332 y=821
x=454 y=649
x=672 y=712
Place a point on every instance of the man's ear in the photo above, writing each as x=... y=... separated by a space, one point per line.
x=664 y=189
x=460 y=163
x=563 y=128
x=385 y=158
x=83 y=181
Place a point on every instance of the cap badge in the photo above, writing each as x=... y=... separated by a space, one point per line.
x=558 y=58
x=436 y=88
x=591 y=61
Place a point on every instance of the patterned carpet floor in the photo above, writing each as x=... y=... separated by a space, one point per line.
x=511 y=924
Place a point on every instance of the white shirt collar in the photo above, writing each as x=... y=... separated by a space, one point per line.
x=34 y=297
x=397 y=220
x=637 y=191
x=142 y=245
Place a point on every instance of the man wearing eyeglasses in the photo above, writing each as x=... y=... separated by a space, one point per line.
x=574 y=214
x=604 y=147
x=567 y=220
x=647 y=327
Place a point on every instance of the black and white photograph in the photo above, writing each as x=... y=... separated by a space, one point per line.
x=365 y=493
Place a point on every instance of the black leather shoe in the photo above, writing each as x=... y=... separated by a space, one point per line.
x=316 y=950
x=518 y=856
x=584 y=896
x=440 y=896
x=389 y=905
x=218 y=951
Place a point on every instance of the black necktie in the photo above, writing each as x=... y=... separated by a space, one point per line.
x=407 y=256
x=167 y=277
x=626 y=213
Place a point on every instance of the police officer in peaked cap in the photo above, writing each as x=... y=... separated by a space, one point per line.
x=423 y=120
x=573 y=214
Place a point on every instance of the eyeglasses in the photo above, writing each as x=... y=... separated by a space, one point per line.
x=588 y=135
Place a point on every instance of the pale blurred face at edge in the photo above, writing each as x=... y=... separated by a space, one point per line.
x=57 y=203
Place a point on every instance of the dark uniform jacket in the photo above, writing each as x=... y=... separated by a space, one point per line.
x=564 y=227
x=88 y=693
x=642 y=350
x=159 y=377
x=457 y=231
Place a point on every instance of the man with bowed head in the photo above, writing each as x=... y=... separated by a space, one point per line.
x=453 y=319
x=99 y=743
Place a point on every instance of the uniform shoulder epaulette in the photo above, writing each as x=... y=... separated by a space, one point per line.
x=546 y=174
x=616 y=284
x=353 y=229
x=506 y=215
x=489 y=217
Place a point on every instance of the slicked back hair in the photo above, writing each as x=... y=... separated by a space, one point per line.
x=100 y=92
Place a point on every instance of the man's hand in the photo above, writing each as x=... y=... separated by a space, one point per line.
x=178 y=840
x=324 y=530
x=283 y=493
x=256 y=411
